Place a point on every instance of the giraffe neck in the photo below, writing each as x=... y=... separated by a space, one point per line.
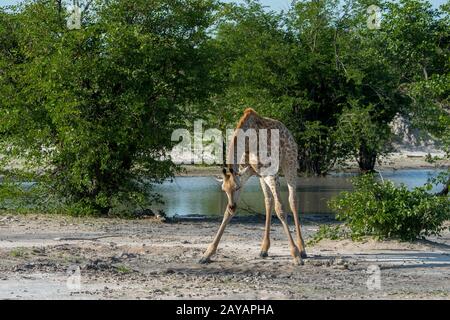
x=232 y=162
x=246 y=122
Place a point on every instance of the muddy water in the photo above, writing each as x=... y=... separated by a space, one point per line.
x=203 y=196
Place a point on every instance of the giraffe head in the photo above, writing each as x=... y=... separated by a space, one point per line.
x=231 y=185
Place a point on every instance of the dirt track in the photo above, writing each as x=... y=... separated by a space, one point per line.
x=146 y=259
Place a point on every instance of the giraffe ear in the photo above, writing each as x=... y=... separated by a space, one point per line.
x=231 y=171
x=224 y=172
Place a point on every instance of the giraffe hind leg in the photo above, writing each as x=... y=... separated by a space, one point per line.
x=291 y=179
x=272 y=183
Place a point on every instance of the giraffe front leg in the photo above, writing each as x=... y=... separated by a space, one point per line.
x=206 y=258
x=212 y=248
x=266 y=240
x=268 y=201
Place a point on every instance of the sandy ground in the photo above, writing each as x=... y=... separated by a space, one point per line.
x=60 y=257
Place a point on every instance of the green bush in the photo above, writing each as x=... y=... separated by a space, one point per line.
x=384 y=210
x=332 y=232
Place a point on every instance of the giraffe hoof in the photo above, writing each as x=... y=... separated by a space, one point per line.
x=298 y=261
x=263 y=254
x=204 y=260
x=303 y=255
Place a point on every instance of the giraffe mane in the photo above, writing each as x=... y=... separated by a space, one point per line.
x=247 y=113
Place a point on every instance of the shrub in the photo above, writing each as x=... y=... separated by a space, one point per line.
x=384 y=210
x=332 y=232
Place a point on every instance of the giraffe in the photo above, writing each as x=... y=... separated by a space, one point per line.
x=234 y=177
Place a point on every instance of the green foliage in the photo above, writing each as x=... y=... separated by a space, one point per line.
x=18 y=253
x=123 y=269
x=319 y=148
x=362 y=137
x=384 y=210
x=332 y=232
x=94 y=108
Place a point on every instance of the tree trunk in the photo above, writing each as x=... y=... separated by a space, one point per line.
x=366 y=159
x=444 y=191
x=224 y=153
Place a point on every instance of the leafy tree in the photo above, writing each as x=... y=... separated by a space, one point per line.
x=318 y=88
x=268 y=63
x=429 y=90
x=380 y=64
x=362 y=137
x=94 y=108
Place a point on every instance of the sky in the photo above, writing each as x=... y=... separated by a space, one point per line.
x=277 y=5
